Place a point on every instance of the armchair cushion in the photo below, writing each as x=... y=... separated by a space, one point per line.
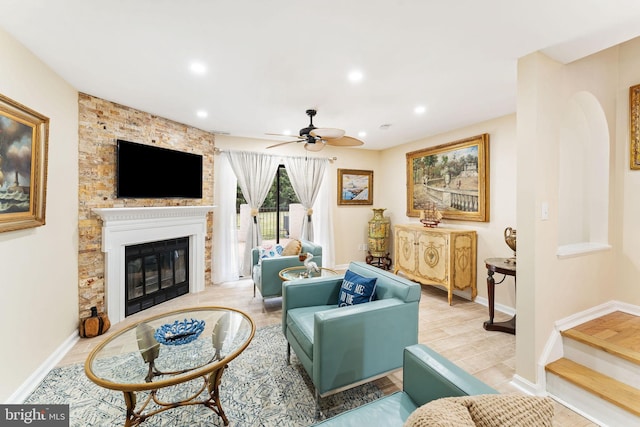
x=356 y=289
x=292 y=248
x=270 y=251
x=446 y=412
x=485 y=410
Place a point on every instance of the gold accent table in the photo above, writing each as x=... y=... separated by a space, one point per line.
x=300 y=272
x=437 y=256
x=144 y=357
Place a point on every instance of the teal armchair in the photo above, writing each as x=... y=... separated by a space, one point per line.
x=264 y=272
x=342 y=347
x=427 y=376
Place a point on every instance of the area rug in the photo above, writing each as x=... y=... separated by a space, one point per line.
x=258 y=389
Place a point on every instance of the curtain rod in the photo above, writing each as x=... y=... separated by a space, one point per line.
x=217 y=150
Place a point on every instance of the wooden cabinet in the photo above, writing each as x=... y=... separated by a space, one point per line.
x=437 y=256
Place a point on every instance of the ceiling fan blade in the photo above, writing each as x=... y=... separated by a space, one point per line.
x=283 y=143
x=345 y=141
x=282 y=134
x=315 y=146
x=327 y=133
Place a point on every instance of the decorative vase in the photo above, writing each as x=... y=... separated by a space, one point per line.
x=379 y=227
x=510 y=240
x=94 y=325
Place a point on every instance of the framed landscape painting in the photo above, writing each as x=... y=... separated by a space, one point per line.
x=634 y=126
x=24 y=137
x=453 y=177
x=355 y=187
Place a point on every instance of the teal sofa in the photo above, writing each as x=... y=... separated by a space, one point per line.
x=426 y=376
x=341 y=347
x=264 y=271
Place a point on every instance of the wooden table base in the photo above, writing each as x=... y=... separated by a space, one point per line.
x=212 y=401
x=508 y=326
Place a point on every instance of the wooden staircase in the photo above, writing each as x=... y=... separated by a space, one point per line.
x=599 y=374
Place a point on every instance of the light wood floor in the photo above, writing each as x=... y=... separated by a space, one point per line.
x=454 y=331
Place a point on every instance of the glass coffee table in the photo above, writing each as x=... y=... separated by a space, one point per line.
x=300 y=272
x=148 y=358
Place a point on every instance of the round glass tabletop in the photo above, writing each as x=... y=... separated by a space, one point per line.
x=300 y=272
x=170 y=349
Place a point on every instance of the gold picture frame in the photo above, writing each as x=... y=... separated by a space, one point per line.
x=634 y=127
x=454 y=176
x=24 y=136
x=355 y=187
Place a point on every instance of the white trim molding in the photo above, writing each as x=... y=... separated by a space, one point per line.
x=123 y=227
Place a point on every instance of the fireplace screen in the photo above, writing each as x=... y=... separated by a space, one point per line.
x=156 y=272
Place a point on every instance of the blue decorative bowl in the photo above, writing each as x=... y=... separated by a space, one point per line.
x=179 y=332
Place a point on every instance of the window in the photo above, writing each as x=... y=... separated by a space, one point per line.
x=278 y=212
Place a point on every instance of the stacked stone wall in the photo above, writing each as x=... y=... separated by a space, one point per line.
x=101 y=123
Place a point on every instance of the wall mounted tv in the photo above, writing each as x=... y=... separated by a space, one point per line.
x=145 y=171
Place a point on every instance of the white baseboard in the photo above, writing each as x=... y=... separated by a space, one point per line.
x=38 y=375
x=526 y=386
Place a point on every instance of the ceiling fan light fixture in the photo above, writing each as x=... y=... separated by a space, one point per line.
x=314 y=146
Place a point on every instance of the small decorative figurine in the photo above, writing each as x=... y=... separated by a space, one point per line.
x=311 y=266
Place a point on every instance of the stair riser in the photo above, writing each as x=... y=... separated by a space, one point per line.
x=603 y=362
x=584 y=403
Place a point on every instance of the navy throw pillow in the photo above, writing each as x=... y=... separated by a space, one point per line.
x=356 y=289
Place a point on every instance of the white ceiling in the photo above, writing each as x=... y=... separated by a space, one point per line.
x=269 y=60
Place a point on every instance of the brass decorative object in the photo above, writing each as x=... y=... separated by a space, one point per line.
x=510 y=240
x=378 y=240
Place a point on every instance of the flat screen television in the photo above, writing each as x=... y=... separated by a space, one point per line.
x=145 y=171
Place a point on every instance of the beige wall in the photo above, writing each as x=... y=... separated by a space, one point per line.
x=627 y=183
x=549 y=287
x=38 y=281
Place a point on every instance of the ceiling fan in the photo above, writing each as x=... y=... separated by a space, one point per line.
x=316 y=138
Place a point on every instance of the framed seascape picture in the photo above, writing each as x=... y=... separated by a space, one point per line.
x=355 y=187
x=453 y=177
x=24 y=137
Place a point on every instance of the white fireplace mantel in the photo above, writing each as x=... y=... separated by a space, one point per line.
x=123 y=227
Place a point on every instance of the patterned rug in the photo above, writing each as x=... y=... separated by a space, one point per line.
x=258 y=389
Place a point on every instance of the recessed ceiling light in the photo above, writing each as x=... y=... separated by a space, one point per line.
x=286 y=132
x=202 y=114
x=362 y=134
x=355 y=76
x=420 y=109
x=198 y=68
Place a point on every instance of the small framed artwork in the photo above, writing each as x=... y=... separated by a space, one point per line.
x=355 y=187
x=24 y=136
x=634 y=127
x=453 y=178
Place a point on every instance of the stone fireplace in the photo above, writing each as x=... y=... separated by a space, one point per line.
x=122 y=227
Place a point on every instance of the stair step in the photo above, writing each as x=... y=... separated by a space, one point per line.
x=615 y=392
x=604 y=345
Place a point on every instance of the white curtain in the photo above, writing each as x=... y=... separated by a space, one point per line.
x=226 y=263
x=323 y=219
x=255 y=173
x=306 y=176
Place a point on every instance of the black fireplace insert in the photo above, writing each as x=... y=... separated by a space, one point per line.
x=156 y=272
